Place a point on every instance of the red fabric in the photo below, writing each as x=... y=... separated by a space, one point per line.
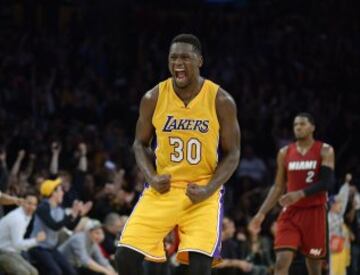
x=302 y=171
x=303 y=229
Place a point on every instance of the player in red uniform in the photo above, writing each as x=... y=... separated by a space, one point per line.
x=305 y=169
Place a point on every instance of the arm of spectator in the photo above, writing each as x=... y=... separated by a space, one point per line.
x=236 y=263
x=99 y=258
x=3 y=171
x=94 y=266
x=30 y=166
x=17 y=236
x=82 y=166
x=9 y=200
x=78 y=245
x=43 y=212
x=343 y=196
x=54 y=163
x=16 y=166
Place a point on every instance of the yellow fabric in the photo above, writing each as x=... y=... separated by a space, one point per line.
x=48 y=186
x=155 y=215
x=340 y=261
x=187 y=137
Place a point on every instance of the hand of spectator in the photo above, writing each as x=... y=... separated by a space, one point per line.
x=111 y=272
x=82 y=149
x=75 y=209
x=85 y=208
x=161 y=183
x=19 y=201
x=41 y=236
x=245 y=266
x=32 y=157
x=55 y=148
x=197 y=193
x=21 y=154
x=255 y=223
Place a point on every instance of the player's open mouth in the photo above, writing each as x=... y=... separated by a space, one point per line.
x=180 y=74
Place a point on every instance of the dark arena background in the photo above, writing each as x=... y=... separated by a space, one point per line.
x=72 y=74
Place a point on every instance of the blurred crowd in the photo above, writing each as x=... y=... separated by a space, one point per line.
x=71 y=77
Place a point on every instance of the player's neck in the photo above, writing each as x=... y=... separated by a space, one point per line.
x=188 y=93
x=305 y=143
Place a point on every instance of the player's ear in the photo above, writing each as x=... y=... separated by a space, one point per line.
x=201 y=61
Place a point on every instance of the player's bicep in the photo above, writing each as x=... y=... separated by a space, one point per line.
x=144 y=127
x=328 y=156
x=229 y=125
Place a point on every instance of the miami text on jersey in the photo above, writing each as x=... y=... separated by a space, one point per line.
x=302 y=165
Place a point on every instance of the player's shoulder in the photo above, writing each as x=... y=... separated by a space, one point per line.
x=326 y=149
x=224 y=97
x=152 y=94
x=283 y=150
x=150 y=98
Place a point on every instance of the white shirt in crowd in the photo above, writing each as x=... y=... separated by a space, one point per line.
x=12 y=230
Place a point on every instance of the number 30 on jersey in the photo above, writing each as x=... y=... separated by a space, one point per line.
x=190 y=150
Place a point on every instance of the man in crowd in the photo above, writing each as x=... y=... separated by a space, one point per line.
x=82 y=251
x=12 y=229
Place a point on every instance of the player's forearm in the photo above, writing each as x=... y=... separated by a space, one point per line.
x=272 y=198
x=144 y=160
x=224 y=170
x=325 y=183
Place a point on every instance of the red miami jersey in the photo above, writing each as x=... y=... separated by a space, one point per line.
x=303 y=171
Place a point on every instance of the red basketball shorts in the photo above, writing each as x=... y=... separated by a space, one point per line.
x=303 y=229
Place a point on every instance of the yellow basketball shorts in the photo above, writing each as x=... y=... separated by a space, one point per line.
x=155 y=215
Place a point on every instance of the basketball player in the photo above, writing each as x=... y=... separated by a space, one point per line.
x=305 y=169
x=189 y=116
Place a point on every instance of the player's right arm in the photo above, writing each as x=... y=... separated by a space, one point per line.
x=142 y=144
x=274 y=194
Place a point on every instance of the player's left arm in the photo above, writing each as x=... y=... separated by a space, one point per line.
x=230 y=147
x=326 y=178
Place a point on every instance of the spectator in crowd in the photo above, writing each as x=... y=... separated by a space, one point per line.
x=232 y=263
x=82 y=251
x=352 y=218
x=113 y=225
x=12 y=242
x=338 y=232
x=251 y=166
x=5 y=199
x=51 y=218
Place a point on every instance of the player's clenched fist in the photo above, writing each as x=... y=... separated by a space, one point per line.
x=161 y=183
x=197 y=193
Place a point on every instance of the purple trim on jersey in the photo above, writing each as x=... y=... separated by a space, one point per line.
x=217 y=251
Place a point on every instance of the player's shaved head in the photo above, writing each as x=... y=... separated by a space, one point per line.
x=189 y=39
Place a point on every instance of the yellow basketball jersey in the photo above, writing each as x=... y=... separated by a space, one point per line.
x=187 y=137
